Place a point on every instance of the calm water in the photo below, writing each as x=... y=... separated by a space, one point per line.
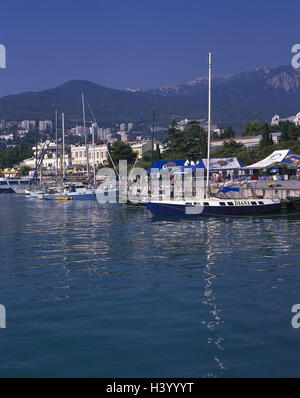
x=99 y=291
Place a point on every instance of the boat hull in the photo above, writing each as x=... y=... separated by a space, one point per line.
x=70 y=197
x=169 y=209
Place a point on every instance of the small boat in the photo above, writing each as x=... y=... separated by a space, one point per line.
x=78 y=192
x=10 y=185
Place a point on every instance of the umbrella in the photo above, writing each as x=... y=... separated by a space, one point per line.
x=274 y=171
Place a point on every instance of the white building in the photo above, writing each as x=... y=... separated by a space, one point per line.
x=248 y=141
x=79 y=130
x=49 y=161
x=6 y=137
x=78 y=154
x=28 y=125
x=123 y=135
x=202 y=122
x=122 y=126
x=294 y=119
x=140 y=147
x=21 y=133
x=45 y=125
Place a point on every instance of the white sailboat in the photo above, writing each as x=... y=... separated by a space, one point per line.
x=209 y=205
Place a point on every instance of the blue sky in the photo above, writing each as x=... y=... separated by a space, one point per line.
x=139 y=43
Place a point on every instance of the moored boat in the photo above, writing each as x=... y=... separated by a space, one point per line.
x=205 y=204
x=213 y=207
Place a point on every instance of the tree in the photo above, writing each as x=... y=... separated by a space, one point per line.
x=24 y=170
x=120 y=150
x=266 y=140
x=191 y=143
x=252 y=128
x=229 y=133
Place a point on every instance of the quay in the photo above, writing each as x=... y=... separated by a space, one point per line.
x=287 y=191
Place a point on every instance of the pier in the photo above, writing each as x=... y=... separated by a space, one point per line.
x=287 y=191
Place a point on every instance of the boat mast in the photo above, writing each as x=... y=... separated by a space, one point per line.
x=63 y=143
x=86 y=139
x=208 y=124
x=94 y=155
x=152 y=140
x=36 y=150
x=56 y=141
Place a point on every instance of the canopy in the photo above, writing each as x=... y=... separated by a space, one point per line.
x=167 y=165
x=216 y=164
x=181 y=165
x=285 y=156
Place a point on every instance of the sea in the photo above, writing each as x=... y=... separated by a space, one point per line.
x=95 y=290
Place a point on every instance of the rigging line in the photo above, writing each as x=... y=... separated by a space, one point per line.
x=135 y=162
x=106 y=142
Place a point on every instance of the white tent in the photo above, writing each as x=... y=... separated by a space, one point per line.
x=285 y=156
x=223 y=163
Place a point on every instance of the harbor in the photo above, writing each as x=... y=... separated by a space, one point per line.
x=149 y=195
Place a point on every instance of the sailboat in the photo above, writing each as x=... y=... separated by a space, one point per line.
x=209 y=205
x=72 y=191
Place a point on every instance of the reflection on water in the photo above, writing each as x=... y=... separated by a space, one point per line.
x=142 y=296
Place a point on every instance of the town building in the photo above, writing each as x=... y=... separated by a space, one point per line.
x=28 y=125
x=6 y=137
x=202 y=123
x=248 y=141
x=294 y=119
x=140 y=147
x=45 y=125
x=49 y=161
x=78 y=154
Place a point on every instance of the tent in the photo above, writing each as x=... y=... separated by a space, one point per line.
x=286 y=156
x=218 y=164
x=167 y=165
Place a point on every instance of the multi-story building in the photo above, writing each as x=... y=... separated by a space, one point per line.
x=122 y=126
x=140 y=147
x=28 y=125
x=49 y=161
x=45 y=125
x=123 y=135
x=78 y=154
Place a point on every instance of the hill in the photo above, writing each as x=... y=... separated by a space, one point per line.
x=236 y=100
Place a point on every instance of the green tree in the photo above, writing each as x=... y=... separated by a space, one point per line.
x=191 y=143
x=120 y=150
x=229 y=133
x=266 y=140
x=24 y=170
x=252 y=128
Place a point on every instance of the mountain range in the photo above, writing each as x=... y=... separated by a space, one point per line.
x=236 y=100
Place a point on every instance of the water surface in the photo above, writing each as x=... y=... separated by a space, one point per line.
x=102 y=291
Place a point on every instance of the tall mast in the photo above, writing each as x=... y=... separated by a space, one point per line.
x=36 y=150
x=208 y=122
x=56 y=141
x=94 y=155
x=152 y=140
x=86 y=139
x=63 y=143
